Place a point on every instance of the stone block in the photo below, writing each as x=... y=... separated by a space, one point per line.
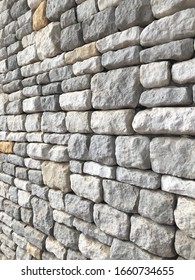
x=87 y=186
x=52 y=88
x=152 y=237
x=103 y=4
x=12 y=63
x=184 y=215
x=3 y=66
x=181 y=26
x=27 y=56
x=78 y=146
x=86 y=9
x=28 y=82
x=47 y=41
x=12 y=209
x=63 y=218
x=56 y=176
x=178 y=186
x=19 y=8
x=53 y=122
x=111 y=221
x=165 y=121
x=38 y=150
x=89 y=66
x=55 y=247
x=76 y=166
x=6 y=147
x=32 y=105
x=66 y=236
x=183 y=72
x=24 y=198
x=166 y=96
x=33 y=122
x=59 y=154
x=79 y=207
x=23 y=31
x=133 y=151
x=4 y=101
x=123 y=197
x=93 y=249
x=13 y=86
x=28 y=40
x=96 y=169
x=14 y=48
x=68 y=18
x=39 y=17
x=54 y=138
x=14 y=108
x=71 y=37
x=168 y=155
x=56 y=199
x=155 y=74
x=78 y=122
x=107 y=84
x=39 y=191
x=115 y=122
x=54 y=10
x=177 y=50
x=16 y=123
x=35 y=177
x=19 y=240
x=35 y=237
x=5 y=18
x=99 y=25
x=34 y=251
x=184 y=245
x=43 y=79
x=33 y=4
x=32 y=91
x=76 y=101
x=59 y=74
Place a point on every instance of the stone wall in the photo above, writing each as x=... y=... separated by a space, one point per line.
x=97 y=125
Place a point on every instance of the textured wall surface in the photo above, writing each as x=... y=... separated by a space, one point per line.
x=97 y=126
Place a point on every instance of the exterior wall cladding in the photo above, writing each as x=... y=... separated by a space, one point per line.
x=97 y=126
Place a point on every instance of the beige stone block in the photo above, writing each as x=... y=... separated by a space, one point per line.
x=33 y=251
x=6 y=147
x=39 y=17
x=82 y=53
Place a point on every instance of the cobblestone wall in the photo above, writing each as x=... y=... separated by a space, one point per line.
x=97 y=125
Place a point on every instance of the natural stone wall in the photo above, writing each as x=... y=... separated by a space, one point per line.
x=97 y=126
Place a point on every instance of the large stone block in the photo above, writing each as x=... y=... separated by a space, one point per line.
x=152 y=237
x=87 y=186
x=111 y=221
x=121 y=196
x=76 y=101
x=133 y=13
x=16 y=123
x=59 y=154
x=185 y=215
x=78 y=122
x=38 y=150
x=115 y=122
x=68 y=18
x=32 y=105
x=78 y=146
x=99 y=25
x=184 y=245
x=181 y=26
x=133 y=151
x=33 y=122
x=47 y=41
x=183 y=72
x=155 y=74
x=18 y=8
x=39 y=17
x=116 y=89
x=56 y=175
x=173 y=156
x=71 y=37
x=55 y=9
x=53 y=122
x=86 y=9
x=93 y=249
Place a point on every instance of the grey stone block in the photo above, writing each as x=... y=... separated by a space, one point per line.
x=77 y=83
x=35 y=177
x=33 y=122
x=8 y=168
x=68 y=18
x=5 y=18
x=71 y=37
x=12 y=209
x=23 y=31
x=78 y=122
x=86 y=9
x=54 y=10
x=14 y=48
x=184 y=245
x=19 y=8
x=32 y=105
x=63 y=218
x=12 y=86
x=56 y=199
x=42 y=79
x=76 y=166
x=12 y=63
x=89 y=66
x=35 y=237
x=14 y=108
x=55 y=247
x=78 y=146
x=76 y=101
x=52 y=88
x=16 y=123
x=28 y=82
x=59 y=74
x=53 y=122
x=96 y=169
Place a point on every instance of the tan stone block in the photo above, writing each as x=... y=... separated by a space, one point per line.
x=82 y=53
x=39 y=17
x=33 y=251
x=6 y=147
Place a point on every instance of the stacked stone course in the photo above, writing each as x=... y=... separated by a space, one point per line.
x=97 y=126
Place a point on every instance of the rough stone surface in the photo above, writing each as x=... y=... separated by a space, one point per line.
x=78 y=122
x=99 y=170
x=53 y=122
x=86 y=9
x=76 y=101
x=6 y=147
x=39 y=17
x=53 y=10
x=89 y=66
x=71 y=37
x=55 y=247
x=77 y=83
x=183 y=73
x=184 y=245
x=78 y=146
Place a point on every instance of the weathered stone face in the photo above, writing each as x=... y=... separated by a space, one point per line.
x=39 y=17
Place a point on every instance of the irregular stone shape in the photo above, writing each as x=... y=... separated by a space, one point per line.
x=78 y=122
x=14 y=108
x=82 y=53
x=78 y=146
x=3 y=66
x=4 y=101
x=157 y=205
x=123 y=197
x=174 y=156
x=178 y=186
x=167 y=96
x=133 y=151
x=166 y=8
x=123 y=250
x=79 y=207
x=31 y=91
x=59 y=154
x=32 y=105
x=56 y=199
x=76 y=101
x=39 y=17
x=184 y=215
x=38 y=151
x=54 y=10
x=99 y=25
x=76 y=166
x=35 y=237
x=116 y=89
x=16 y=123
x=71 y=37
x=42 y=79
x=86 y=9
x=33 y=122
x=42 y=215
x=47 y=41
x=176 y=50
x=23 y=31
x=18 y=8
x=24 y=199
x=184 y=245
x=33 y=251
x=183 y=72
x=165 y=121
x=59 y=74
x=68 y=18
x=133 y=13
x=97 y=169
x=103 y=4
x=74 y=255
x=152 y=237
x=53 y=122
x=56 y=175
x=181 y=26
x=111 y=221
x=89 y=66
x=51 y=63
x=119 y=40
x=28 y=40
x=55 y=247
x=12 y=209
x=6 y=147
x=121 y=58
x=33 y=4
x=52 y=88
x=115 y=122
x=87 y=186
x=63 y=218
x=59 y=139
x=93 y=249
x=155 y=74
